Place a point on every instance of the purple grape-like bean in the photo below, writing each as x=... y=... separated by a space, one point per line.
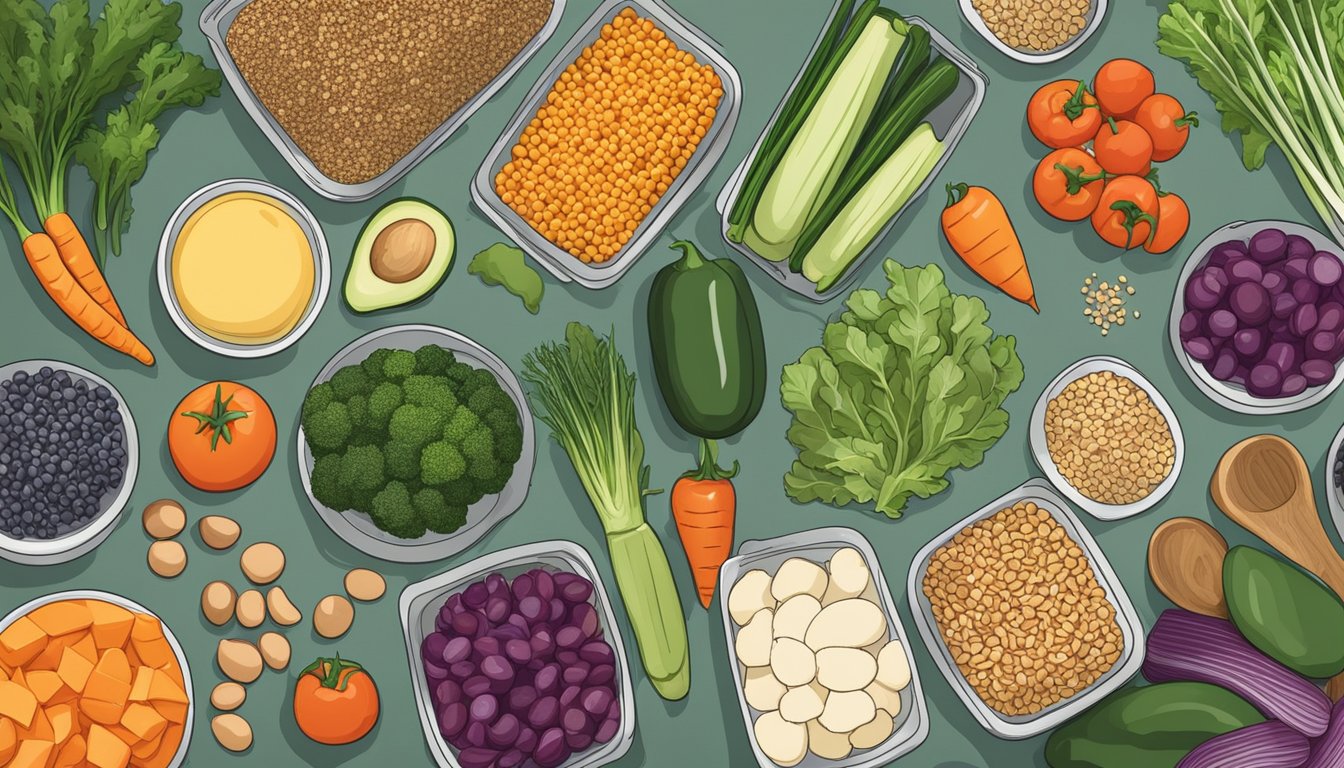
x=435 y=672
x=1249 y=343
x=557 y=610
x=497 y=667
x=1296 y=268
x=1203 y=292
x=432 y=649
x=1293 y=384
x=485 y=646
x=1191 y=324
x=1330 y=316
x=595 y=701
x=476 y=685
x=532 y=607
x=1325 y=269
x=1268 y=245
x=1245 y=271
x=462 y=670
x=521 y=586
x=544 y=583
x=1321 y=344
x=475 y=595
x=1298 y=247
x=1224 y=252
x=544 y=712
x=1265 y=380
x=1250 y=302
x=1221 y=323
x=577 y=591
x=477 y=757
x=602 y=674
x=475 y=733
x=1304 y=320
x=551 y=749
x=547 y=679
x=574 y=720
x=504 y=730
x=578 y=741
x=1306 y=292
x=511 y=759
x=576 y=673
x=569 y=696
x=597 y=651
x=520 y=698
x=466 y=624
x=1283 y=305
x=607 y=730
x=518 y=651
x=527 y=739
x=484 y=708
x=1283 y=355
x=506 y=632
x=584 y=616
x=569 y=637
x=1199 y=348
x=495 y=584
x=1223 y=366
x=448 y=692
x=452 y=719
x=1275 y=282
x=567 y=656
x=1317 y=372
x=498 y=608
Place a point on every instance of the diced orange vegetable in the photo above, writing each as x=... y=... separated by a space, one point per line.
x=164 y=688
x=17 y=703
x=20 y=678
x=33 y=753
x=111 y=624
x=106 y=750
x=44 y=684
x=143 y=721
x=172 y=739
x=63 y=722
x=123 y=733
x=20 y=642
x=143 y=750
x=62 y=617
x=146 y=627
x=144 y=676
x=72 y=752
x=100 y=712
x=86 y=648
x=154 y=652
x=113 y=663
x=40 y=729
x=106 y=688
x=172 y=711
x=74 y=669
x=9 y=739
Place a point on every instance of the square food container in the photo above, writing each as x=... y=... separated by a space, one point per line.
x=1096 y=13
x=559 y=262
x=1040 y=451
x=420 y=603
x=219 y=16
x=1025 y=726
x=949 y=121
x=911 y=726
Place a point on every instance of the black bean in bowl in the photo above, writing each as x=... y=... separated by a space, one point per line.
x=520 y=673
x=62 y=449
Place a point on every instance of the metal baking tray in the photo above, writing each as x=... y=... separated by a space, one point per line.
x=950 y=121
x=557 y=261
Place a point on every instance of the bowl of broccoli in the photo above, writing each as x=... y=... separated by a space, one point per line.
x=415 y=441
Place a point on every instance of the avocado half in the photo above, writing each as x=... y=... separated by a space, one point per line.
x=402 y=255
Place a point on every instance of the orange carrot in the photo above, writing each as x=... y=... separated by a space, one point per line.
x=45 y=261
x=979 y=230
x=704 y=505
x=77 y=257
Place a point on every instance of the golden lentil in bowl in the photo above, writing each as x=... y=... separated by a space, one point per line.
x=1034 y=25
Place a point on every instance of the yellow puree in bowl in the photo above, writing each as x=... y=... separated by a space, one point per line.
x=243 y=269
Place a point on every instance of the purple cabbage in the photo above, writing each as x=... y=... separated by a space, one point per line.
x=1328 y=751
x=1188 y=646
x=1263 y=745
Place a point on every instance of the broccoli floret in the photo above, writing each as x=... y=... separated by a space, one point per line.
x=479 y=445
x=482 y=470
x=458 y=372
x=437 y=514
x=461 y=491
x=326 y=483
x=358 y=408
x=362 y=469
x=509 y=446
x=462 y=424
x=373 y=364
x=433 y=360
x=478 y=379
x=501 y=418
x=394 y=513
x=317 y=398
x=441 y=463
x=327 y=429
x=383 y=400
x=415 y=424
x=503 y=473
x=362 y=500
x=350 y=381
x=431 y=392
x=488 y=398
x=399 y=365
x=402 y=460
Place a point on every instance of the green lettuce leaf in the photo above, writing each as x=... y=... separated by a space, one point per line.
x=904 y=388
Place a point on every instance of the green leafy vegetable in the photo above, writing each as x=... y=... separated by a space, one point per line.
x=502 y=264
x=1274 y=69
x=905 y=387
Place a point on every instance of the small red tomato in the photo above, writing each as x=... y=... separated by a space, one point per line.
x=1067 y=183
x=1167 y=122
x=1127 y=212
x=1063 y=114
x=1121 y=85
x=1173 y=221
x=335 y=701
x=1123 y=148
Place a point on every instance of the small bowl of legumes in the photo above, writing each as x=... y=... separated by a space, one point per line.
x=68 y=460
x=1106 y=438
x=1003 y=655
x=1035 y=31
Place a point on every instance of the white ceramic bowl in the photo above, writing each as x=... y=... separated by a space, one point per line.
x=1096 y=13
x=1227 y=394
x=92 y=594
x=317 y=244
x=79 y=542
x=1041 y=452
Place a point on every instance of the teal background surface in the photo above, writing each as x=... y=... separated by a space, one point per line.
x=765 y=40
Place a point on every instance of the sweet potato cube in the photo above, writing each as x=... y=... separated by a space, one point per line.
x=40 y=729
x=5 y=670
x=17 y=703
x=63 y=722
x=172 y=711
x=103 y=687
x=20 y=642
x=33 y=753
x=101 y=712
x=85 y=647
x=113 y=663
x=154 y=652
x=163 y=756
x=143 y=721
x=62 y=617
x=9 y=739
x=44 y=684
x=72 y=752
x=74 y=669
x=163 y=687
x=144 y=676
x=20 y=677
x=143 y=750
x=111 y=626
x=105 y=750
x=146 y=627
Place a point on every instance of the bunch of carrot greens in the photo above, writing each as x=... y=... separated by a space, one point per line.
x=76 y=89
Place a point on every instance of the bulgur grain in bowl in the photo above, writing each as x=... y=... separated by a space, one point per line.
x=1035 y=31
x=1106 y=438
x=1023 y=614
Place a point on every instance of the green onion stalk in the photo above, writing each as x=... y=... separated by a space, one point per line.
x=585 y=393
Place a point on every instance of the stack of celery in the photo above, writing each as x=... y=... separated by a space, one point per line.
x=849 y=147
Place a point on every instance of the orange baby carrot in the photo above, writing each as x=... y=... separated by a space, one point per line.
x=978 y=229
x=77 y=257
x=704 y=506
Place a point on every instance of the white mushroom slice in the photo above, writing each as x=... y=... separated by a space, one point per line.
x=798 y=577
x=847 y=710
x=873 y=732
x=893 y=668
x=761 y=690
x=849 y=573
x=845 y=669
x=795 y=615
x=749 y=595
x=885 y=698
x=825 y=744
x=803 y=703
x=783 y=742
x=753 y=640
x=792 y=662
x=852 y=623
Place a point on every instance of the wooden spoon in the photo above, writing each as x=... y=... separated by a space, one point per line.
x=1185 y=561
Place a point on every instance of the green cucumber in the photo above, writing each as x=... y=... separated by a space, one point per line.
x=1284 y=612
x=913 y=60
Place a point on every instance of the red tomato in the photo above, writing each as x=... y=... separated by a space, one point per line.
x=1063 y=114
x=1067 y=183
x=1167 y=122
x=1121 y=85
x=335 y=701
x=1123 y=148
x=221 y=436
x=1173 y=221
x=1127 y=212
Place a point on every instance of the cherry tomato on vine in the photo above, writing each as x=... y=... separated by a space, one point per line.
x=1067 y=184
x=1126 y=212
x=1167 y=123
x=1121 y=85
x=1063 y=114
x=1123 y=148
x=1173 y=221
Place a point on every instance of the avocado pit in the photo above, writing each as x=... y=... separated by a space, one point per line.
x=402 y=251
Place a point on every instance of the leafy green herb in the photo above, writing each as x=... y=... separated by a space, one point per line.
x=502 y=264
x=905 y=387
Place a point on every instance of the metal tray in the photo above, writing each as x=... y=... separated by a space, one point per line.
x=818 y=545
x=1131 y=658
x=950 y=122
x=1041 y=453
x=1227 y=394
x=317 y=244
x=1096 y=12
x=92 y=594
x=420 y=603
x=1334 y=495
x=79 y=542
x=560 y=263
x=215 y=22
x=355 y=528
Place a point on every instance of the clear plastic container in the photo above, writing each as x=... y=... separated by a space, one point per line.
x=355 y=528
x=84 y=540
x=559 y=262
x=1131 y=657
x=420 y=603
x=219 y=16
x=1225 y=393
x=1096 y=13
x=1041 y=452
x=949 y=121
x=911 y=726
